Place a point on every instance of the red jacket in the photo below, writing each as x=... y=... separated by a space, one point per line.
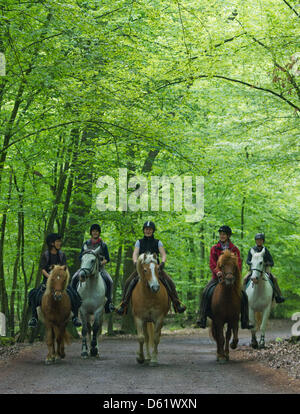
x=216 y=251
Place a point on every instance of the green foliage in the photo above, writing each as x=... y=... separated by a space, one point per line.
x=91 y=87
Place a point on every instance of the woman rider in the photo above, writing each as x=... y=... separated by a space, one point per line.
x=92 y=243
x=52 y=256
x=268 y=262
x=215 y=252
x=151 y=245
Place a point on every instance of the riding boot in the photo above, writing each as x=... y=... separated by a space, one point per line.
x=245 y=324
x=75 y=280
x=246 y=279
x=34 y=316
x=277 y=292
x=76 y=301
x=128 y=288
x=35 y=300
x=109 y=306
x=205 y=304
x=171 y=290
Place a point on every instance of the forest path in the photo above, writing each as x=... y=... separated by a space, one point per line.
x=187 y=365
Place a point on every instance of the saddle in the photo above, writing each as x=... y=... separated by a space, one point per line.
x=269 y=278
x=209 y=295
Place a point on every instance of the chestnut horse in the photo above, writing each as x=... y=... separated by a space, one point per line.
x=56 y=309
x=150 y=304
x=226 y=305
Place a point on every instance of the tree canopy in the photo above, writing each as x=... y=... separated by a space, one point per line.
x=173 y=88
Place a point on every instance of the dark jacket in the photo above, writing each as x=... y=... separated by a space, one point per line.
x=91 y=244
x=49 y=259
x=268 y=259
x=149 y=244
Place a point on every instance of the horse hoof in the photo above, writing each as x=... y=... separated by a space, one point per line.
x=94 y=352
x=153 y=364
x=221 y=361
x=84 y=355
x=261 y=346
x=233 y=345
x=49 y=361
x=254 y=345
x=140 y=360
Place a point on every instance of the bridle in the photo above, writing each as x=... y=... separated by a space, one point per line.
x=85 y=272
x=225 y=275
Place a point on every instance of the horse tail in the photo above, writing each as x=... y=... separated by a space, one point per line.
x=150 y=331
x=258 y=319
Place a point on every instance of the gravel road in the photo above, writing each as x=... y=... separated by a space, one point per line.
x=187 y=365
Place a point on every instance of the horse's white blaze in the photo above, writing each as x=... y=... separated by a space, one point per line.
x=154 y=282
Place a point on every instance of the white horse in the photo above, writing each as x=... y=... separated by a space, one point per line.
x=260 y=294
x=92 y=291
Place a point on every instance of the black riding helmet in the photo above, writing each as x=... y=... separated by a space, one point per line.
x=51 y=238
x=259 y=236
x=149 y=224
x=95 y=227
x=226 y=229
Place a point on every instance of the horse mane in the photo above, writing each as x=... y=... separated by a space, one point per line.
x=53 y=273
x=144 y=258
x=230 y=258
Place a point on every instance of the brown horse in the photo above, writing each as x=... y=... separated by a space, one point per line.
x=56 y=309
x=226 y=305
x=150 y=305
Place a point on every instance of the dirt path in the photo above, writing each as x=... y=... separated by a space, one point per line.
x=187 y=365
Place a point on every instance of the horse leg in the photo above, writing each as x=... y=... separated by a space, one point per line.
x=147 y=343
x=60 y=343
x=50 y=343
x=235 y=339
x=263 y=326
x=252 y=320
x=157 y=332
x=97 y=327
x=141 y=339
x=220 y=342
x=228 y=336
x=84 y=331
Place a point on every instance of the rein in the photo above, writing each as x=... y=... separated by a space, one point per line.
x=90 y=271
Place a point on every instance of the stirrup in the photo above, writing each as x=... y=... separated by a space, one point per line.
x=122 y=309
x=76 y=321
x=33 y=322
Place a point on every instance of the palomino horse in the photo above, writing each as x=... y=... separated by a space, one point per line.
x=56 y=309
x=226 y=305
x=150 y=305
x=92 y=291
x=260 y=294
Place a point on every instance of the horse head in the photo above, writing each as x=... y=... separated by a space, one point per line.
x=147 y=269
x=228 y=264
x=257 y=265
x=58 y=281
x=89 y=263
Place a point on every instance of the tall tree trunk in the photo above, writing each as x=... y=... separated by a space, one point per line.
x=81 y=200
x=128 y=268
x=4 y=306
x=110 y=328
